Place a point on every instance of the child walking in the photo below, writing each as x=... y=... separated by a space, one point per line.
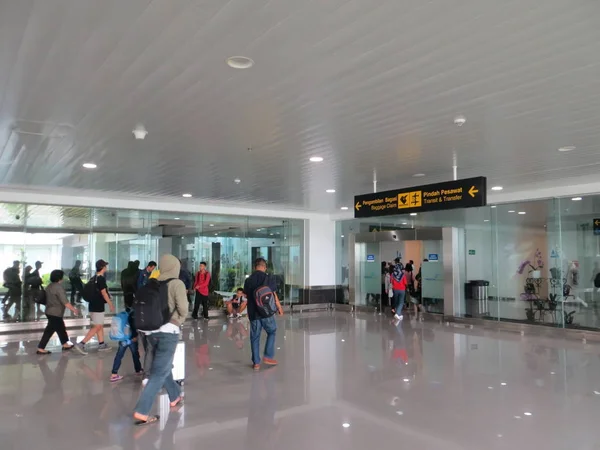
x=131 y=344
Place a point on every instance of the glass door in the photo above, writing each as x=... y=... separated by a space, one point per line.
x=367 y=274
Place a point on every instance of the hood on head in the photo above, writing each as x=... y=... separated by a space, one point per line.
x=131 y=266
x=169 y=267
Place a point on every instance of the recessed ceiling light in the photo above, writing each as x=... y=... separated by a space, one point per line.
x=346 y=425
x=271 y=234
x=258 y=229
x=406 y=380
x=89 y=165
x=418 y=175
x=187 y=195
x=176 y=218
x=493 y=206
x=577 y=199
x=502 y=384
x=316 y=159
x=237 y=181
x=404 y=223
x=413 y=214
x=460 y=120
x=239 y=62
x=568 y=148
x=486 y=220
x=522 y=213
x=330 y=191
x=211 y=224
x=216 y=234
x=342 y=235
x=497 y=188
x=527 y=413
x=511 y=211
x=140 y=132
x=344 y=208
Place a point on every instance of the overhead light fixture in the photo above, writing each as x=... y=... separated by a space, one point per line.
x=342 y=235
x=258 y=229
x=176 y=218
x=344 y=208
x=216 y=234
x=577 y=199
x=522 y=213
x=460 y=120
x=316 y=159
x=486 y=220
x=330 y=191
x=568 y=148
x=418 y=175
x=497 y=188
x=211 y=224
x=404 y=223
x=89 y=166
x=239 y=62
x=527 y=413
x=140 y=132
x=237 y=181
x=511 y=211
x=413 y=214
x=187 y=195
x=271 y=234
x=493 y=206
x=346 y=425
x=502 y=384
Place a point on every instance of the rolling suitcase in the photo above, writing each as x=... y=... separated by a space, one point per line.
x=179 y=363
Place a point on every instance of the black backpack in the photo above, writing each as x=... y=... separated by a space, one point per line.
x=90 y=290
x=151 y=305
x=264 y=299
x=597 y=280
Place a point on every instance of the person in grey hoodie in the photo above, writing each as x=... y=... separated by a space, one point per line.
x=164 y=341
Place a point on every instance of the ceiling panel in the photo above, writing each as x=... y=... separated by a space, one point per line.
x=372 y=86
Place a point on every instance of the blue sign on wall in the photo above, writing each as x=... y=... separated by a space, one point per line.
x=433 y=257
x=370 y=258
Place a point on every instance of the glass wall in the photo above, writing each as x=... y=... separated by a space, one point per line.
x=58 y=237
x=538 y=262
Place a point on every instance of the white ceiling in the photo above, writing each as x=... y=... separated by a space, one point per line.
x=369 y=85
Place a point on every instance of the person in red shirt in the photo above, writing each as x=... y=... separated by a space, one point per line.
x=201 y=283
x=399 y=285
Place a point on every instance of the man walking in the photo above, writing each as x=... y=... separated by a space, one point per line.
x=164 y=342
x=76 y=283
x=261 y=285
x=201 y=284
x=96 y=307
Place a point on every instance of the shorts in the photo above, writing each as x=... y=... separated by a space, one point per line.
x=97 y=318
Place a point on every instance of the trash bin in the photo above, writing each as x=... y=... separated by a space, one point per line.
x=479 y=289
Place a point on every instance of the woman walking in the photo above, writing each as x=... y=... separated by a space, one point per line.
x=56 y=303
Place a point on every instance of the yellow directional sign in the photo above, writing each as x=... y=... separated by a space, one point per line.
x=448 y=195
x=596 y=226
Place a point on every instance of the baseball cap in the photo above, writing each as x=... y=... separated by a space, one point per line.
x=100 y=264
x=38 y=263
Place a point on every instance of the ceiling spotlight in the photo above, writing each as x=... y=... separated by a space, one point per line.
x=342 y=235
x=460 y=120
x=522 y=213
x=187 y=195
x=330 y=191
x=493 y=206
x=89 y=166
x=344 y=208
x=418 y=175
x=346 y=425
x=577 y=199
x=502 y=384
x=216 y=234
x=237 y=181
x=511 y=211
x=239 y=62
x=404 y=223
x=486 y=220
x=568 y=148
x=316 y=159
x=211 y=224
x=527 y=413
x=140 y=132
x=413 y=214
x=177 y=218
x=497 y=188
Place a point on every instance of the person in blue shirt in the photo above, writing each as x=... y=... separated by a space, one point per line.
x=144 y=275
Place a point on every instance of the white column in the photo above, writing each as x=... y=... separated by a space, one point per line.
x=319 y=242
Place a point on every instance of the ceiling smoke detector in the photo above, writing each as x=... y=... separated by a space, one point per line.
x=239 y=62
x=460 y=120
x=140 y=132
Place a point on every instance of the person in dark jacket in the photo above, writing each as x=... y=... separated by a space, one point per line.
x=131 y=344
x=186 y=276
x=129 y=278
x=76 y=283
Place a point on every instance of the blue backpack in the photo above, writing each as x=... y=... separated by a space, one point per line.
x=119 y=327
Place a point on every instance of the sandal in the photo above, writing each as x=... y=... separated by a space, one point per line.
x=114 y=378
x=176 y=403
x=148 y=421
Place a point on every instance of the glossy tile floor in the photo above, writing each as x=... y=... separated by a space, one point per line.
x=343 y=382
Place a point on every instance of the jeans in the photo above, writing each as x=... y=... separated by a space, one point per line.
x=399 y=297
x=55 y=325
x=200 y=299
x=164 y=345
x=135 y=354
x=270 y=327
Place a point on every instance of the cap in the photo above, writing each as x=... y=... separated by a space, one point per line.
x=38 y=263
x=100 y=264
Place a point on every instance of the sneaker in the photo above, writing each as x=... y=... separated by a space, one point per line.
x=400 y=317
x=144 y=382
x=396 y=317
x=115 y=377
x=104 y=347
x=270 y=362
x=230 y=316
x=80 y=348
x=238 y=316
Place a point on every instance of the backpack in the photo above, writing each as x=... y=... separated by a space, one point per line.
x=120 y=330
x=264 y=298
x=151 y=305
x=597 y=280
x=90 y=290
